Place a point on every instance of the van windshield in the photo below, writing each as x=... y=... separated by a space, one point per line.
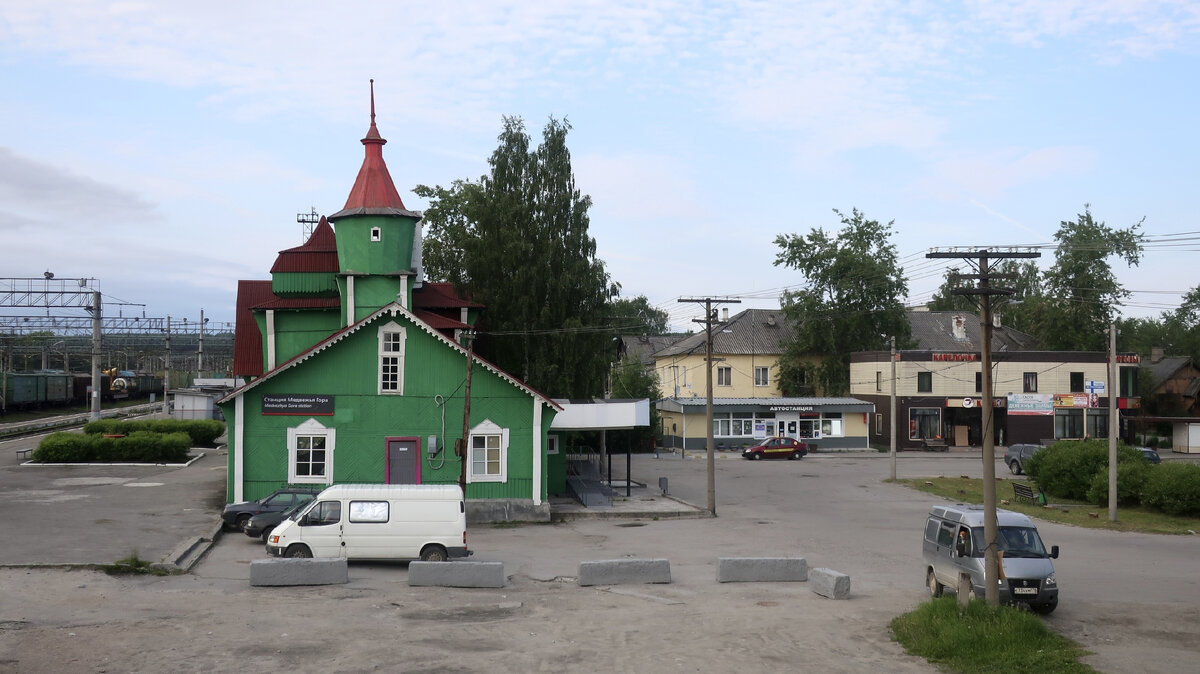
x=1014 y=541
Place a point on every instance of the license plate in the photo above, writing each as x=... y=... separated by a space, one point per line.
x=1024 y=590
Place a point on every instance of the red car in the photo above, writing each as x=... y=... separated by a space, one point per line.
x=776 y=448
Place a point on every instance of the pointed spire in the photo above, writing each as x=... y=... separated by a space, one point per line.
x=373 y=189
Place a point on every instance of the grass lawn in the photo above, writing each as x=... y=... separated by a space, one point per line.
x=1077 y=513
x=982 y=639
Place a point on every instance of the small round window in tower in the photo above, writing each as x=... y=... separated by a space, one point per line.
x=376 y=234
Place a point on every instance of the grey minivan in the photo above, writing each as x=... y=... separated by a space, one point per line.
x=954 y=545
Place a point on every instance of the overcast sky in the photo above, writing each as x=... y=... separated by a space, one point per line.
x=165 y=149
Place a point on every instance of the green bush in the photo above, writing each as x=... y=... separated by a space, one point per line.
x=1173 y=488
x=1131 y=480
x=61 y=447
x=1152 y=442
x=203 y=432
x=138 y=446
x=1066 y=468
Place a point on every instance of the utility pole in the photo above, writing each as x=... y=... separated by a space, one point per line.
x=167 y=372
x=462 y=450
x=94 y=310
x=710 y=317
x=892 y=411
x=1113 y=390
x=991 y=557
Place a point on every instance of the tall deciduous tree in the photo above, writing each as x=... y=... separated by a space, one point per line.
x=853 y=300
x=517 y=241
x=635 y=316
x=1082 y=292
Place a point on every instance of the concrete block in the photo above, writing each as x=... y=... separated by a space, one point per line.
x=456 y=574
x=624 y=571
x=761 y=569
x=829 y=583
x=287 y=571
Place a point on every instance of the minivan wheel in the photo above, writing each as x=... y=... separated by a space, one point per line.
x=434 y=553
x=1015 y=467
x=935 y=588
x=298 y=552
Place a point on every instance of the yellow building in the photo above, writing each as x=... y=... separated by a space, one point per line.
x=747 y=402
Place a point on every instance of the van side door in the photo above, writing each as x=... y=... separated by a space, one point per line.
x=322 y=529
x=943 y=565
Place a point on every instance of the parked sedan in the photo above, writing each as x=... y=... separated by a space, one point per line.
x=235 y=515
x=262 y=524
x=776 y=448
x=1150 y=455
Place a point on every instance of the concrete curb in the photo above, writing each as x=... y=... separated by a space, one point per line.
x=830 y=583
x=187 y=554
x=276 y=572
x=624 y=571
x=762 y=570
x=456 y=574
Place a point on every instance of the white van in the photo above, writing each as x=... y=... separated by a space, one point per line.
x=954 y=545
x=377 y=521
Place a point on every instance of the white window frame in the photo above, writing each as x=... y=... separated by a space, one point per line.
x=552 y=443
x=376 y=234
x=765 y=379
x=724 y=372
x=487 y=428
x=387 y=355
x=311 y=428
x=833 y=425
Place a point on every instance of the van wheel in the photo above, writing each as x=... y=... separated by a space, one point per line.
x=298 y=552
x=935 y=588
x=434 y=553
x=1015 y=467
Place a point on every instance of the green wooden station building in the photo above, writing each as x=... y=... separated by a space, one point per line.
x=357 y=370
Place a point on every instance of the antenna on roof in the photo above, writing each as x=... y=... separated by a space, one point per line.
x=307 y=222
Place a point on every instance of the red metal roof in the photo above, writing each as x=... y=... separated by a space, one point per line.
x=439 y=322
x=247 y=340
x=439 y=295
x=318 y=254
x=277 y=302
x=374 y=187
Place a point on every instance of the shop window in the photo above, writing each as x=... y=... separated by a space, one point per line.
x=832 y=425
x=878 y=380
x=924 y=382
x=391 y=359
x=878 y=424
x=979 y=382
x=310 y=453
x=1030 y=382
x=1076 y=382
x=488 y=453
x=924 y=422
x=1068 y=423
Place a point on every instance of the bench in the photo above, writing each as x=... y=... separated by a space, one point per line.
x=935 y=445
x=24 y=453
x=1022 y=491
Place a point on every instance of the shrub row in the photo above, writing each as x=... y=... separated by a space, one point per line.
x=203 y=432
x=139 y=446
x=1079 y=470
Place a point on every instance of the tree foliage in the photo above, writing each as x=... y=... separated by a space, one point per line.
x=1017 y=313
x=1082 y=292
x=851 y=303
x=635 y=316
x=517 y=241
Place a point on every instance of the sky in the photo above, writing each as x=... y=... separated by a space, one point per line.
x=165 y=149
